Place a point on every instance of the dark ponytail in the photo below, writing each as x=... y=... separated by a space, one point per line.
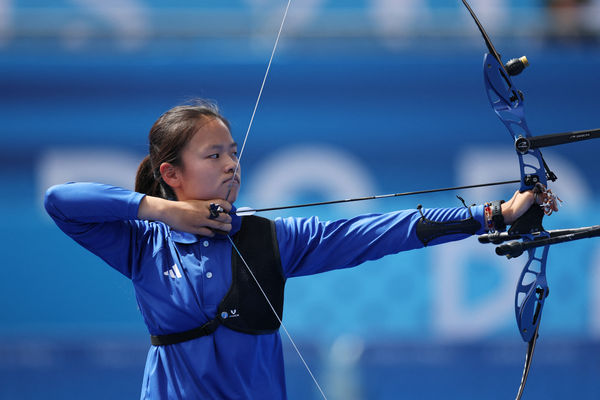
x=145 y=181
x=167 y=138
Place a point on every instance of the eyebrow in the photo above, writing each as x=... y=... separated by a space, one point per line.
x=220 y=146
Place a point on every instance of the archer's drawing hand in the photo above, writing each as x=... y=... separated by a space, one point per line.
x=193 y=216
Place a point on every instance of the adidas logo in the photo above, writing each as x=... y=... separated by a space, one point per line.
x=173 y=272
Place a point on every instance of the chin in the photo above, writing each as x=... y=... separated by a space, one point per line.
x=227 y=194
x=232 y=197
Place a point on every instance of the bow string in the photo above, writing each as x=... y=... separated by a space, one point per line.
x=237 y=167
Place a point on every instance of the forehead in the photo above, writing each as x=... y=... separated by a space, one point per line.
x=211 y=132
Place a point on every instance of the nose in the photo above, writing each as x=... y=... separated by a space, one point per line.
x=231 y=165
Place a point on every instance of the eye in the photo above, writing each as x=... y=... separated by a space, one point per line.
x=216 y=155
x=235 y=154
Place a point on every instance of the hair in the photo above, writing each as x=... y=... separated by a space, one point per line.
x=168 y=136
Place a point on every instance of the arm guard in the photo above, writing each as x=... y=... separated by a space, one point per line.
x=428 y=230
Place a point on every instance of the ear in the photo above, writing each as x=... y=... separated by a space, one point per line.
x=170 y=174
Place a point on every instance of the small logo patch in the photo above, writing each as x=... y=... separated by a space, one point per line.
x=173 y=272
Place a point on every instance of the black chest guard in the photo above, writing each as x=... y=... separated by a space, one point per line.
x=244 y=307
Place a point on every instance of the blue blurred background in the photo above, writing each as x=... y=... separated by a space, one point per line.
x=363 y=97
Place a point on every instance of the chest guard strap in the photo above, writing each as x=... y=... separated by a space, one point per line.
x=244 y=308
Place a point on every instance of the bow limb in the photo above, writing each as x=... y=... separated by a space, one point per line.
x=508 y=103
x=528 y=358
x=532 y=287
x=532 y=290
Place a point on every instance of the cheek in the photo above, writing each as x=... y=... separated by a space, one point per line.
x=203 y=178
x=196 y=176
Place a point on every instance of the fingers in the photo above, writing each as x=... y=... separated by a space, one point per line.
x=218 y=215
x=218 y=208
x=219 y=220
x=545 y=198
x=208 y=227
x=224 y=204
x=218 y=226
x=204 y=232
x=555 y=203
x=194 y=216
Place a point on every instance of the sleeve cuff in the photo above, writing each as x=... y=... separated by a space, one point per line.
x=134 y=204
x=479 y=215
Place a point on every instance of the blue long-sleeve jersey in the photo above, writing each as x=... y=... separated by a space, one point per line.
x=180 y=278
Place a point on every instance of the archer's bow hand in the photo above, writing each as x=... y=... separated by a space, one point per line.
x=517 y=206
x=525 y=210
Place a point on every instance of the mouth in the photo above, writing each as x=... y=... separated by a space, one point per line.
x=232 y=180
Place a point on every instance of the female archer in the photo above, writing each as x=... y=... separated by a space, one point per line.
x=177 y=237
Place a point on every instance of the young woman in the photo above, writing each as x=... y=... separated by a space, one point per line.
x=213 y=334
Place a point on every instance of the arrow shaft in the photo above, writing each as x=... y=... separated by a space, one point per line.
x=382 y=196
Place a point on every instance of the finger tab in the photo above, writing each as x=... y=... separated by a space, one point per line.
x=215 y=210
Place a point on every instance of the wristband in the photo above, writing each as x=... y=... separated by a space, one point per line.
x=497 y=217
x=487 y=212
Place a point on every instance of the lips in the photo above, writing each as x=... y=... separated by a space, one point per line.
x=235 y=180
